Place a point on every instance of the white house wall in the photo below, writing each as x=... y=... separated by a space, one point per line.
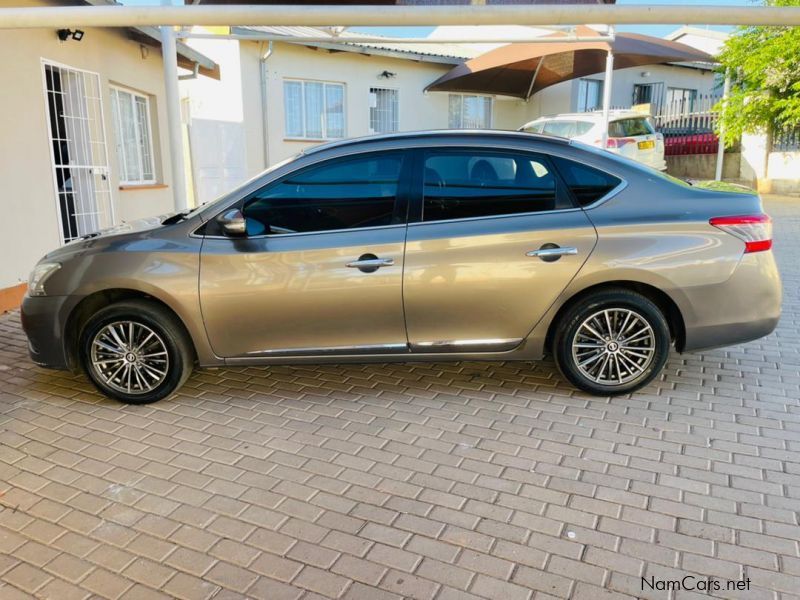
x=30 y=226
x=563 y=97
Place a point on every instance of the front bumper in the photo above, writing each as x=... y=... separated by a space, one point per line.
x=745 y=307
x=43 y=320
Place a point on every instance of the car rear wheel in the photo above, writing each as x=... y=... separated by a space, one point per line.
x=135 y=351
x=611 y=342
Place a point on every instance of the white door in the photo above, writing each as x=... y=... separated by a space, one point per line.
x=78 y=148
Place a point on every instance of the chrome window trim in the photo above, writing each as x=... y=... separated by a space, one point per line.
x=299 y=233
x=611 y=193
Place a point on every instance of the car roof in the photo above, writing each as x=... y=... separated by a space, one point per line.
x=498 y=134
x=613 y=115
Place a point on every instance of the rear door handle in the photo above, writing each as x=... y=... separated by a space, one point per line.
x=369 y=263
x=551 y=252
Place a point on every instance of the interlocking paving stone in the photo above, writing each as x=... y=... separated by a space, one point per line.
x=430 y=481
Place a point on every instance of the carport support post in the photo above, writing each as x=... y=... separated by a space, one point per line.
x=726 y=90
x=172 y=100
x=607 y=92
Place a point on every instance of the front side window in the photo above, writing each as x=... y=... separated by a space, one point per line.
x=383 y=110
x=130 y=113
x=586 y=183
x=469 y=111
x=348 y=193
x=466 y=184
x=313 y=109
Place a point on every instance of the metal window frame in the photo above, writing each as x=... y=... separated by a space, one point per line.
x=119 y=132
x=466 y=95
x=325 y=137
x=396 y=110
x=600 y=87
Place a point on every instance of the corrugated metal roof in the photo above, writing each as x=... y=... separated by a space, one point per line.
x=457 y=52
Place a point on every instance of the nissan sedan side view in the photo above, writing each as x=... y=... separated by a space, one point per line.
x=431 y=246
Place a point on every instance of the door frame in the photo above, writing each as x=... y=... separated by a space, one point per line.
x=45 y=62
x=417 y=185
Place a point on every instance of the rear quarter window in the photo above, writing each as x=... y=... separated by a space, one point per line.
x=586 y=183
x=565 y=129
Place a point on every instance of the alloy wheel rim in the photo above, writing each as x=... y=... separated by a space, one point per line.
x=614 y=346
x=129 y=357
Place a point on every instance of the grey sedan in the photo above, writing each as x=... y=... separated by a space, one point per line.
x=432 y=246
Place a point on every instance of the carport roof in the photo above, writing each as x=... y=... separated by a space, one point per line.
x=187 y=57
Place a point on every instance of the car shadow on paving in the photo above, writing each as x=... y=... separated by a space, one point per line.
x=430 y=481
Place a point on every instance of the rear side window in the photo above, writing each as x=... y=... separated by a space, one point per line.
x=564 y=129
x=630 y=128
x=347 y=193
x=469 y=184
x=586 y=183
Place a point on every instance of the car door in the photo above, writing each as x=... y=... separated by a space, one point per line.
x=496 y=237
x=320 y=269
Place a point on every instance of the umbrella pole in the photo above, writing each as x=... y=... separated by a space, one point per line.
x=607 y=94
x=533 y=79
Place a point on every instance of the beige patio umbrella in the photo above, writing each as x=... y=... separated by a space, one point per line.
x=521 y=70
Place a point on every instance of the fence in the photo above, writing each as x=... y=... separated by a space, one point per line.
x=687 y=124
x=786 y=140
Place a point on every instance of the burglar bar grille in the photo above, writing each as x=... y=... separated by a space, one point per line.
x=383 y=110
x=786 y=140
x=78 y=146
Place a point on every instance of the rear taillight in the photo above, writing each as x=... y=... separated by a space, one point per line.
x=618 y=142
x=754 y=230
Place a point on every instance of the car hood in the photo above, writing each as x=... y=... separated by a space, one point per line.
x=99 y=238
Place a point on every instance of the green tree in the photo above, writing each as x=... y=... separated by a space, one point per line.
x=764 y=63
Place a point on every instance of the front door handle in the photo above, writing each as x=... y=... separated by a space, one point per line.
x=369 y=263
x=552 y=252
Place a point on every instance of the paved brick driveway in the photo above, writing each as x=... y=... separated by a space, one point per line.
x=436 y=482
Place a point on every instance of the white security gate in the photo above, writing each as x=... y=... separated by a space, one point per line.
x=78 y=147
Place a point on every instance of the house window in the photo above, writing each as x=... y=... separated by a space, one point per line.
x=383 y=110
x=590 y=94
x=649 y=93
x=680 y=100
x=642 y=93
x=130 y=112
x=470 y=111
x=313 y=109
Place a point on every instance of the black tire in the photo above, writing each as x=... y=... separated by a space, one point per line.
x=580 y=364
x=170 y=335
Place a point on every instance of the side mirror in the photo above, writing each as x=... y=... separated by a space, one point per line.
x=233 y=223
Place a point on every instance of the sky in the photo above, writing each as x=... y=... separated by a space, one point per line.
x=656 y=30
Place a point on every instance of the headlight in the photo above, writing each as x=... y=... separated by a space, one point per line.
x=39 y=275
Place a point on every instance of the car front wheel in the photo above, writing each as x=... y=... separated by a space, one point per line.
x=612 y=342
x=135 y=351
